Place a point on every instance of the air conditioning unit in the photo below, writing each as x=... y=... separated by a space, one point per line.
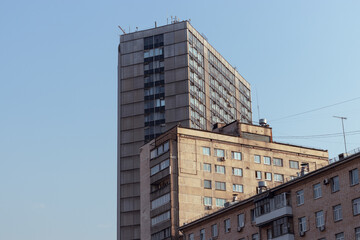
x=239 y=229
x=322 y=228
x=326 y=181
x=208 y=207
x=222 y=159
x=302 y=234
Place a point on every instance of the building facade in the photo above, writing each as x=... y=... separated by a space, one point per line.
x=168 y=75
x=188 y=172
x=321 y=205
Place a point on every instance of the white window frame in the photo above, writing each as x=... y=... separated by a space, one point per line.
x=337 y=210
x=302 y=224
x=267 y=160
x=207 y=201
x=206 y=151
x=300 y=197
x=257 y=159
x=291 y=164
x=220 y=169
x=278 y=162
x=277 y=176
x=236 y=155
x=354 y=177
x=317 y=191
x=319 y=216
x=335 y=184
x=356 y=206
x=237 y=171
x=267 y=174
x=258 y=175
x=238 y=188
x=207 y=167
x=219 y=152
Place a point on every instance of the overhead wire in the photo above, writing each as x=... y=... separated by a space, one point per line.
x=313 y=110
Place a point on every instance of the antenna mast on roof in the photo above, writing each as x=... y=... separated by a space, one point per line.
x=122 y=29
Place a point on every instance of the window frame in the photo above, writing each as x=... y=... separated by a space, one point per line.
x=209 y=185
x=256 y=175
x=299 y=197
x=237 y=170
x=219 y=185
x=302 y=224
x=217 y=150
x=227 y=225
x=278 y=162
x=257 y=159
x=235 y=155
x=267 y=160
x=293 y=161
x=206 y=151
x=335 y=184
x=319 y=219
x=356 y=206
x=268 y=174
x=354 y=181
x=240 y=186
x=217 y=167
x=337 y=213
x=317 y=191
x=214 y=230
x=278 y=174
x=206 y=203
x=208 y=167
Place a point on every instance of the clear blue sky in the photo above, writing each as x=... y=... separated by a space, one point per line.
x=58 y=66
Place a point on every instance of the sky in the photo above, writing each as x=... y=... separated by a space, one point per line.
x=58 y=92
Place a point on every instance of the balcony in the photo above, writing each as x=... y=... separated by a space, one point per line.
x=269 y=209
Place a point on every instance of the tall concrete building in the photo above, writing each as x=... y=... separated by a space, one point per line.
x=187 y=172
x=168 y=75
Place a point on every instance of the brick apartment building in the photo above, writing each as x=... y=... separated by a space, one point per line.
x=186 y=172
x=321 y=205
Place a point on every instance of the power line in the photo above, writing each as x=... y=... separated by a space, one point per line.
x=329 y=135
x=313 y=110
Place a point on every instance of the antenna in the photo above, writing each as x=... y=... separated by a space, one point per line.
x=257 y=102
x=342 y=122
x=122 y=29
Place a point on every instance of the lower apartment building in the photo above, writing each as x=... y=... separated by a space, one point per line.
x=187 y=172
x=321 y=205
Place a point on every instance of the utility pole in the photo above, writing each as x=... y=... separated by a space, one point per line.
x=342 y=122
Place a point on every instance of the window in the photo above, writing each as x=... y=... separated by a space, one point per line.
x=317 y=191
x=207 y=184
x=267 y=160
x=319 y=218
x=277 y=162
x=160 y=201
x=300 y=197
x=160 y=218
x=219 y=153
x=252 y=214
x=357 y=233
x=302 y=224
x=278 y=177
x=220 y=186
x=159 y=167
x=356 y=206
x=191 y=236
x=206 y=151
x=227 y=225
x=294 y=164
x=268 y=176
x=220 y=169
x=337 y=213
x=202 y=234
x=354 y=176
x=207 y=167
x=255 y=237
x=335 y=184
x=214 y=230
x=237 y=171
x=161 y=235
x=236 y=155
x=241 y=220
x=238 y=188
x=257 y=174
x=220 y=202
x=339 y=236
x=207 y=201
x=257 y=159
x=159 y=150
